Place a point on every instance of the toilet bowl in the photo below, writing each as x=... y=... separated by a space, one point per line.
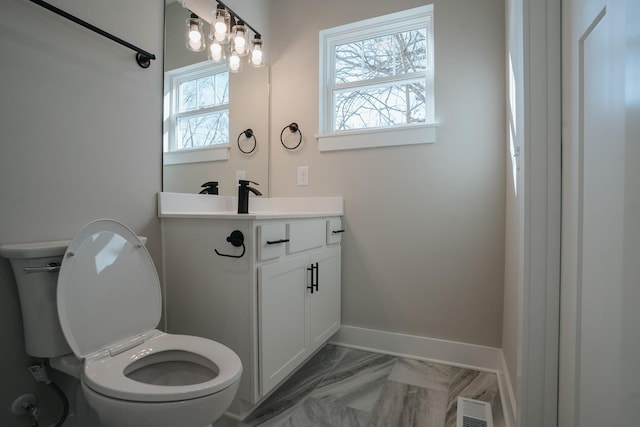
x=109 y=305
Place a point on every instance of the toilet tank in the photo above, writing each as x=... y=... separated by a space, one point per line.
x=34 y=267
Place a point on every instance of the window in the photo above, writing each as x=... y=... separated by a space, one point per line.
x=197 y=125
x=376 y=82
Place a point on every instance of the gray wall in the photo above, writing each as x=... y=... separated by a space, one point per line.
x=81 y=140
x=424 y=249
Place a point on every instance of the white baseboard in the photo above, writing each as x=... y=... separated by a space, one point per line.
x=422 y=348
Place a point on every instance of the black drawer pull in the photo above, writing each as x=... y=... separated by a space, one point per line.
x=275 y=242
x=337 y=231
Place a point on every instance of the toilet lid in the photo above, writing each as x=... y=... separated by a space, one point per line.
x=108 y=288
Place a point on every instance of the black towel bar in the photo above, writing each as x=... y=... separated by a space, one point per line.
x=143 y=58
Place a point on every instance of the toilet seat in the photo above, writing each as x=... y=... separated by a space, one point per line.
x=108 y=375
x=109 y=304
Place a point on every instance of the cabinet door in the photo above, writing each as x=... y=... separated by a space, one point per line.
x=282 y=289
x=323 y=318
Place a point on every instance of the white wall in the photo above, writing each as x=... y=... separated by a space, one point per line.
x=81 y=139
x=424 y=249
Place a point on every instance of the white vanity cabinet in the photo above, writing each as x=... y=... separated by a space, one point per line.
x=274 y=306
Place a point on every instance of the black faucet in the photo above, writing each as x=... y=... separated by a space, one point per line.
x=210 y=187
x=243 y=195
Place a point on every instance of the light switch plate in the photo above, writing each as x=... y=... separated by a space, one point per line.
x=303 y=175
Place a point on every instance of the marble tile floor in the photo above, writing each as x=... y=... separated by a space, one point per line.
x=353 y=388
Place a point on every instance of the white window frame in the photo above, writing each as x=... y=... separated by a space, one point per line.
x=329 y=140
x=172 y=81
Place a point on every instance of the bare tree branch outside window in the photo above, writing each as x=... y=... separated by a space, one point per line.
x=203 y=111
x=381 y=81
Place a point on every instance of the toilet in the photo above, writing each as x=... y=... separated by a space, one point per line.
x=107 y=304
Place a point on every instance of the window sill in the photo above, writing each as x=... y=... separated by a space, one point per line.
x=391 y=137
x=197 y=155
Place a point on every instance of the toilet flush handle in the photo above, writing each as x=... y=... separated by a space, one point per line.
x=52 y=267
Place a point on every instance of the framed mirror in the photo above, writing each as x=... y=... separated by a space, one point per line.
x=241 y=103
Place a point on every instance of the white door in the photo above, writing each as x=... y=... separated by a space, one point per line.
x=599 y=342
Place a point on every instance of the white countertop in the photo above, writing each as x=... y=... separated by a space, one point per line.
x=187 y=205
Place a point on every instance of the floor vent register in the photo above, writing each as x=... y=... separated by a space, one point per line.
x=474 y=413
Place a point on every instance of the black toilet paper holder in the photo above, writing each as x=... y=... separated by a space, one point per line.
x=236 y=238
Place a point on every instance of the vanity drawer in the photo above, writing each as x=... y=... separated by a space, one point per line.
x=334 y=231
x=307 y=234
x=272 y=240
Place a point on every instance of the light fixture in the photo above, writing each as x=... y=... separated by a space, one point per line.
x=229 y=38
x=256 y=59
x=217 y=52
x=235 y=62
x=195 y=34
x=239 y=38
x=221 y=27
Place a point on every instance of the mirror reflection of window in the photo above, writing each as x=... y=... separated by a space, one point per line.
x=199 y=112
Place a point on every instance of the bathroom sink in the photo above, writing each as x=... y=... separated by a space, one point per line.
x=175 y=205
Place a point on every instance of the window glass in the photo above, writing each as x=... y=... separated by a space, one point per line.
x=203 y=130
x=380 y=106
x=388 y=55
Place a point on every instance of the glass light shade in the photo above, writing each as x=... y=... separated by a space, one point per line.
x=221 y=25
x=234 y=62
x=239 y=39
x=256 y=59
x=217 y=52
x=195 y=34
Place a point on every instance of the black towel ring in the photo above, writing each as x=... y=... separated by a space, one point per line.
x=293 y=127
x=248 y=134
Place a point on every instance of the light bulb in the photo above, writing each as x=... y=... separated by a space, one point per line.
x=216 y=52
x=234 y=62
x=256 y=57
x=194 y=34
x=195 y=45
x=221 y=24
x=256 y=53
x=240 y=43
x=221 y=37
x=240 y=39
x=221 y=27
x=216 y=49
